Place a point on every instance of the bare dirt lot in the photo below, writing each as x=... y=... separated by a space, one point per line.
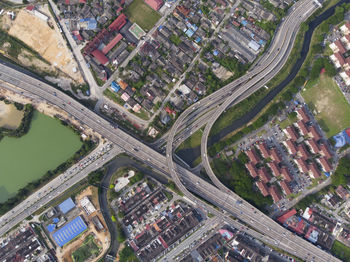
x=47 y=41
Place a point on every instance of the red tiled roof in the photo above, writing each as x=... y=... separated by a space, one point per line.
x=290 y=146
x=325 y=164
x=302 y=114
x=325 y=151
x=302 y=127
x=276 y=196
x=302 y=165
x=155 y=4
x=286 y=174
x=285 y=187
x=313 y=145
x=30 y=7
x=253 y=157
x=263 y=149
x=251 y=169
x=314 y=133
x=100 y=56
x=340 y=58
x=286 y=215
x=340 y=46
x=112 y=43
x=314 y=172
x=275 y=155
x=347 y=37
x=264 y=176
x=118 y=23
x=347 y=25
x=290 y=131
x=274 y=168
x=263 y=188
x=302 y=152
x=342 y=192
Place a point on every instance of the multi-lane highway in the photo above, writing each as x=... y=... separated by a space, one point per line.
x=268 y=230
x=257 y=78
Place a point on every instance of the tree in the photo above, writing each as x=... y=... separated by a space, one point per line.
x=330 y=69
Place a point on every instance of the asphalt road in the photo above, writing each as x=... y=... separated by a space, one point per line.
x=272 y=232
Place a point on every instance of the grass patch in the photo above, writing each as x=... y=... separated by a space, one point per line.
x=142 y=14
x=87 y=250
x=341 y=251
x=237 y=111
x=333 y=110
x=193 y=141
x=108 y=93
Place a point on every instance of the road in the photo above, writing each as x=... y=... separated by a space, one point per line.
x=94 y=89
x=268 y=68
x=269 y=231
x=272 y=232
x=55 y=187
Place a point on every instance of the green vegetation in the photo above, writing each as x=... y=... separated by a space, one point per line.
x=341 y=251
x=121 y=237
x=173 y=187
x=291 y=118
x=111 y=95
x=235 y=176
x=168 y=195
x=175 y=39
x=95 y=177
x=237 y=111
x=193 y=141
x=87 y=250
x=98 y=80
x=127 y=255
x=142 y=14
x=342 y=173
x=136 y=178
x=324 y=96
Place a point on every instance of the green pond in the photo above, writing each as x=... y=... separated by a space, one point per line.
x=22 y=160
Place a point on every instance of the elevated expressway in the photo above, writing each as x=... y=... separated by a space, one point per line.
x=266 y=69
x=282 y=43
x=268 y=231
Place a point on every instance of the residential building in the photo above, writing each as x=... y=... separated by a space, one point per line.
x=285 y=187
x=252 y=170
x=276 y=196
x=155 y=4
x=252 y=155
x=289 y=144
x=342 y=192
x=264 y=176
x=263 y=188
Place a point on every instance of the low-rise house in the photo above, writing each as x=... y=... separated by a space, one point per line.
x=342 y=192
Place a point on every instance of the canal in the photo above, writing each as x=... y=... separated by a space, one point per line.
x=189 y=155
x=22 y=160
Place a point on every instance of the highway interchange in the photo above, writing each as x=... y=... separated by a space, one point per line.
x=268 y=230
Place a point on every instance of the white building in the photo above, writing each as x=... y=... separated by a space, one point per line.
x=88 y=207
x=346 y=77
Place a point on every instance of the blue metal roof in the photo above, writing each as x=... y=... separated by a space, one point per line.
x=69 y=231
x=66 y=205
x=51 y=227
